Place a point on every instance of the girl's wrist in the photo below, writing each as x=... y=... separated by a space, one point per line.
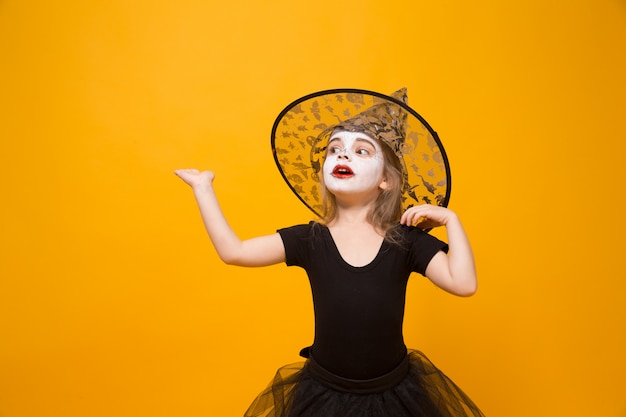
x=202 y=188
x=451 y=218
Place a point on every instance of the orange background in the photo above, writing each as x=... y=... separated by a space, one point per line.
x=112 y=301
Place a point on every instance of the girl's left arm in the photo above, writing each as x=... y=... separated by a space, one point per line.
x=456 y=271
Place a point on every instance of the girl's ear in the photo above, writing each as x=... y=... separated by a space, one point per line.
x=384 y=184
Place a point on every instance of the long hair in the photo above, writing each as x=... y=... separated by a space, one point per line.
x=387 y=208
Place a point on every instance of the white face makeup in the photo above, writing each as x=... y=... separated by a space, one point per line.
x=354 y=163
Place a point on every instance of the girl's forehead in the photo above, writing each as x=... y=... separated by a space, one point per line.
x=347 y=136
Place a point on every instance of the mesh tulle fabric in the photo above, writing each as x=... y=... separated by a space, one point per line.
x=425 y=392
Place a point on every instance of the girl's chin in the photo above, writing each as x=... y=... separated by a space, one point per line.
x=346 y=190
x=341 y=188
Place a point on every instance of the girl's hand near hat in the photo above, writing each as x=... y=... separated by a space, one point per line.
x=196 y=179
x=427 y=216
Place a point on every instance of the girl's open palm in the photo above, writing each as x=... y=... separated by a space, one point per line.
x=195 y=178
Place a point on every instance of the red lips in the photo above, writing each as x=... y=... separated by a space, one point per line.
x=342 y=171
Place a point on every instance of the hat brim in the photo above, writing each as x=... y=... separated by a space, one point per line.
x=299 y=125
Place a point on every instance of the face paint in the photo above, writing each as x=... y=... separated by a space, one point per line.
x=354 y=163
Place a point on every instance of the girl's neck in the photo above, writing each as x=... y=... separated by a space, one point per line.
x=352 y=213
x=353 y=217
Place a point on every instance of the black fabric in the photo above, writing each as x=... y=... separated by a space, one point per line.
x=358 y=365
x=425 y=391
x=360 y=386
x=358 y=310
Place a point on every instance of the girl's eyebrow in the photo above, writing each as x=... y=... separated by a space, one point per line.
x=368 y=141
x=365 y=140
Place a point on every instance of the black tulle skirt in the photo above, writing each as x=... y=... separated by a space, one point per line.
x=415 y=389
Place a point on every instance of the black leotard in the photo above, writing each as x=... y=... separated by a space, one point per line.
x=358 y=310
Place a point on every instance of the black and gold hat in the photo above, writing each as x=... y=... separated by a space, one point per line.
x=300 y=135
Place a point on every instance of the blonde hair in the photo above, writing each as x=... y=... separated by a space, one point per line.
x=387 y=209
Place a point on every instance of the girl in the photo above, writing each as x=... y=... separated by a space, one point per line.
x=358 y=255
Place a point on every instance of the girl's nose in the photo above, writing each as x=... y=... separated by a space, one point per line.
x=343 y=153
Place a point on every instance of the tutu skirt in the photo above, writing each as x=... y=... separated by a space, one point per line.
x=304 y=389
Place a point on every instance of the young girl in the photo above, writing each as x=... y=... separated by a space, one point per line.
x=362 y=151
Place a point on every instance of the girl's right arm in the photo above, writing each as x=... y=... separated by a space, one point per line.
x=259 y=251
x=456 y=272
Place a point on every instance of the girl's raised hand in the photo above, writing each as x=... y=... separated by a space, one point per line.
x=195 y=178
x=427 y=216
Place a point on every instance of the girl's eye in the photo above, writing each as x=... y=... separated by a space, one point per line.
x=334 y=150
x=361 y=151
x=365 y=152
